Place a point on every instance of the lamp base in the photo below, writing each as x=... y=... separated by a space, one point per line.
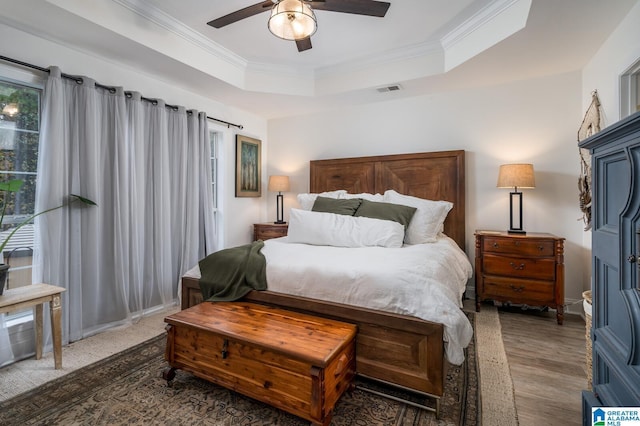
x=515 y=213
x=279 y=210
x=516 y=231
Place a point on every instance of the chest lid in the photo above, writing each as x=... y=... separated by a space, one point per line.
x=304 y=337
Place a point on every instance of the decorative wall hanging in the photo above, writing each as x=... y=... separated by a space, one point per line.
x=248 y=167
x=590 y=126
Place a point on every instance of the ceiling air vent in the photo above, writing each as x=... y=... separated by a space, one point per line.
x=392 y=88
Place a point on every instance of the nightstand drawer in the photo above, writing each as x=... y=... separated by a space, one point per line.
x=541 y=269
x=266 y=234
x=518 y=246
x=266 y=231
x=519 y=291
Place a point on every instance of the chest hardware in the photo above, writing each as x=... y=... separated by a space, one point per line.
x=225 y=349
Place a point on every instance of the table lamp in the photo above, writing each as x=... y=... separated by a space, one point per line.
x=279 y=184
x=516 y=176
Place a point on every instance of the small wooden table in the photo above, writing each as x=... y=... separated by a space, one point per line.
x=36 y=295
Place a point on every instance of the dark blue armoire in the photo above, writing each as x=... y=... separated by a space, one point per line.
x=615 y=258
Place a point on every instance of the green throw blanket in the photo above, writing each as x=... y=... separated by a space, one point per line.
x=232 y=273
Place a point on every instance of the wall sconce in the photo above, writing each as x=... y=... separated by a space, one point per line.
x=516 y=176
x=279 y=184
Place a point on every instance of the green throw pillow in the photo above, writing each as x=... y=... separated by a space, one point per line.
x=386 y=211
x=333 y=205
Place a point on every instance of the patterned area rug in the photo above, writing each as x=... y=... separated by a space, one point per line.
x=128 y=389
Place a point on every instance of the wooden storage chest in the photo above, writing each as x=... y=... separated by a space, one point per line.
x=295 y=362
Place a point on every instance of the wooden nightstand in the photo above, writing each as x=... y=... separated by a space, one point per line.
x=265 y=231
x=520 y=269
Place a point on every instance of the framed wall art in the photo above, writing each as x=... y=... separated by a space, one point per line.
x=248 y=167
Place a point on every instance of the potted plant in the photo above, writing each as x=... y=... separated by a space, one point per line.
x=12 y=186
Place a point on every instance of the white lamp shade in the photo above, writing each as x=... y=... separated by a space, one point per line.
x=292 y=20
x=279 y=183
x=516 y=176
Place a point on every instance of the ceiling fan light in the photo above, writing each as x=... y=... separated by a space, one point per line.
x=292 y=20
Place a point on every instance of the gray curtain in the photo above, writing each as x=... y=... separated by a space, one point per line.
x=148 y=169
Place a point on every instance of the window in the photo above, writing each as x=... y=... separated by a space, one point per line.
x=630 y=90
x=19 y=134
x=20 y=96
x=638 y=91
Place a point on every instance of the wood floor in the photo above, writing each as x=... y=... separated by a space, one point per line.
x=547 y=364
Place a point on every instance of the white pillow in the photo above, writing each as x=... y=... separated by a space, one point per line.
x=330 y=229
x=306 y=200
x=427 y=222
x=378 y=198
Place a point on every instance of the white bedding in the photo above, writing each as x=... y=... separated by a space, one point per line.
x=423 y=280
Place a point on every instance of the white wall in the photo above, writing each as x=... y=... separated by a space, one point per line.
x=530 y=121
x=238 y=213
x=615 y=56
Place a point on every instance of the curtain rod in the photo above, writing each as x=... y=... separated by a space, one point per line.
x=109 y=88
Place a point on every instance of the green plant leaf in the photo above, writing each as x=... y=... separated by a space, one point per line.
x=11 y=185
x=33 y=216
x=84 y=200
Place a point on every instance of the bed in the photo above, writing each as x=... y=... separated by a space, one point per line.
x=395 y=348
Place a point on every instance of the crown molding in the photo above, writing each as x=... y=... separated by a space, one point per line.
x=147 y=10
x=269 y=68
x=418 y=50
x=150 y=12
x=430 y=56
x=475 y=22
x=484 y=29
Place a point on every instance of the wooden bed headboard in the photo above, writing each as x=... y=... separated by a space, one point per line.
x=429 y=175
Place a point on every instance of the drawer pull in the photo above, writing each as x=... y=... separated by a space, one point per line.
x=631 y=258
x=519 y=267
x=517 y=289
x=225 y=349
x=540 y=248
x=495 y=245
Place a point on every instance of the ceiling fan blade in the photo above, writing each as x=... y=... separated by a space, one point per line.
x=241 y=14
x=304 y=44
x=358 y=7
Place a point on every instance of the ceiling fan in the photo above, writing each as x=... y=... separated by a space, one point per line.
x=295 y=20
